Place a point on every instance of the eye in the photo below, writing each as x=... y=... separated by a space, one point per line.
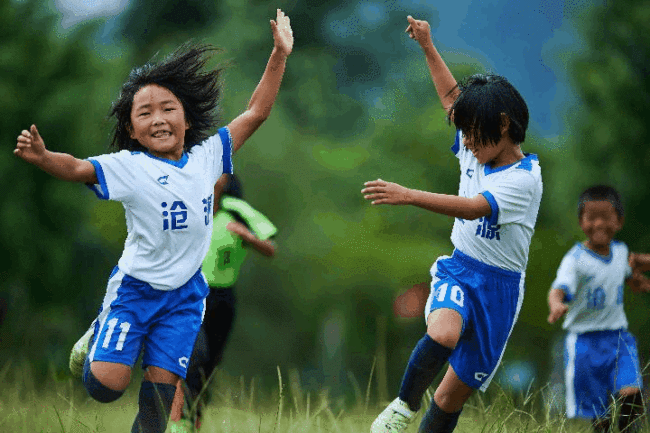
x=170 y=109
x=144 y=113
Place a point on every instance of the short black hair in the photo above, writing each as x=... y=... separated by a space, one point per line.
x=182 y=73
x=477 y=109
x=598 y=193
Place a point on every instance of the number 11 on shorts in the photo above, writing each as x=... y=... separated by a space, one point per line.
x=124 y=326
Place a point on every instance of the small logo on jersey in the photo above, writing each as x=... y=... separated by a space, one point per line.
x=163 y=180
x=183 y=361
x=480 y=376
x=487 y=230
x=469 y=172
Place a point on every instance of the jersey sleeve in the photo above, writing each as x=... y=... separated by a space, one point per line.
x=458 y=144
x=626 y=251
x=115 y=176
x=511 y=197
x=567 y=276
x=217 y=152
x=226 y=145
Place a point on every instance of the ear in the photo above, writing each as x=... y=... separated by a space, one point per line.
x=129 y=128
x=188 y=125
x=505 y=123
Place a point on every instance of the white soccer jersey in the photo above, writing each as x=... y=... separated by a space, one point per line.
x=594 y=288
x=168 y=207
x=514 y=192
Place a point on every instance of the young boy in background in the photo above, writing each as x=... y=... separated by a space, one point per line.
x=600 y=356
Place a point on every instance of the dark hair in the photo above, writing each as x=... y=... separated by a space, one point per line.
x=598 y=193
x=233 y=187
x=183 y=74
x=477 y=109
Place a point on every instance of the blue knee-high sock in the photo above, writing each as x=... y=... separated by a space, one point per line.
x=425 y=362
x=155 y=402
x=437 y=420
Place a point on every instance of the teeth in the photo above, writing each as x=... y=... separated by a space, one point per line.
x=161 y=134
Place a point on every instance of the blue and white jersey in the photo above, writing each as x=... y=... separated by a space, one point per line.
x=168 y=207
x=593 y=285
x=514 y=192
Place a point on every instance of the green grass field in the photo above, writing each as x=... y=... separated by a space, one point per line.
x=61 y=405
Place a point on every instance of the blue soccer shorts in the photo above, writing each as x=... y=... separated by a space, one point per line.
x=135 y=316
x=596 y=366
x=489 y=300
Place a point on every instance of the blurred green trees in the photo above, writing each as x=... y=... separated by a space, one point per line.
x=54 y=261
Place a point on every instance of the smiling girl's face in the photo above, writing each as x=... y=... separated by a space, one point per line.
x=158 y=122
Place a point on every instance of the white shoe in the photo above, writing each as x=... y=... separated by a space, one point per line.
x=394 y=419
x=80 y=351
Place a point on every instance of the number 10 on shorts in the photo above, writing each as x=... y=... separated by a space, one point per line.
x=442 y=291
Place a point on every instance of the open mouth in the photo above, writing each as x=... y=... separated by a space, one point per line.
x=161 y=134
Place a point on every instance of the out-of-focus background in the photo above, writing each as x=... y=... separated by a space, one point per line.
x=357 y=103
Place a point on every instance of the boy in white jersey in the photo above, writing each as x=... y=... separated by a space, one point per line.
x=601 y=359
x=476 y=294
x=164 y=175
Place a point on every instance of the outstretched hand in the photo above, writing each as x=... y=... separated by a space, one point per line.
x=557 y=310
x=382 y=192
x=639 y=283
x=30 y=145
x=418 y=30
x=282 y=33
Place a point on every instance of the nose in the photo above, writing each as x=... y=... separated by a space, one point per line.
x=158 y=118
x=599 y=222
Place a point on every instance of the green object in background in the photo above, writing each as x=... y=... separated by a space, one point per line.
x=227 y=252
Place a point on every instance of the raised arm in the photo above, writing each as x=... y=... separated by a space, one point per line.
x=382 y=192
x=444 y=81
x=259 y=107
x=31 y=147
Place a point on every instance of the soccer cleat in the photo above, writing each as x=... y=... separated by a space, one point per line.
x=181 y=426
x=80 y=351
x=394 y=419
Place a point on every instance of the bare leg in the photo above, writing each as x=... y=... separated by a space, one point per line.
x=177 y=404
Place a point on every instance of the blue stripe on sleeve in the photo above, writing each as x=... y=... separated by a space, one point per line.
x=567 y=294
x=494 y=216
x=101 y=189
x=456 y=147
x=226 y=141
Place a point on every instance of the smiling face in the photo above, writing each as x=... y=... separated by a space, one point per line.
x=600 y=222
x=158 y=122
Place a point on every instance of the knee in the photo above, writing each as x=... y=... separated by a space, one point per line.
x=444 y=326
x=447 y=337
x=97 y=389
x=445 y=401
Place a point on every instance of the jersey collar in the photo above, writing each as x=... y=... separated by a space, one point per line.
x=180 y=163
x=526 y=163
x=606 y=259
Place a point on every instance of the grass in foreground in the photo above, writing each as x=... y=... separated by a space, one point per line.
x=236 y=406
